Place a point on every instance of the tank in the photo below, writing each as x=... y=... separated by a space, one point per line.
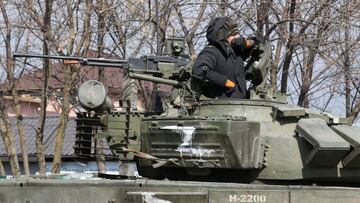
x=190 y=148
x=262 y=139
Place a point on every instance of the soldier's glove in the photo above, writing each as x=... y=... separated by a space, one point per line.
x=229 y=87
x=249 y=44
x=256 y=41
x=245 y=44
x=229 y=84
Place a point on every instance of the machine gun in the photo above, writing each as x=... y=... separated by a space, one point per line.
x=170 y=69
x=165 y=69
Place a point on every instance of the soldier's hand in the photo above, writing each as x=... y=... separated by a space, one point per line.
x=256 y=41
x=249 y=43
x=229 y=84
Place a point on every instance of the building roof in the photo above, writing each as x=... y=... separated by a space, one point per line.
x=51 y=123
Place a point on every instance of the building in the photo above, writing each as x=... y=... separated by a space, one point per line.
x=29 y=87
x=71 y=163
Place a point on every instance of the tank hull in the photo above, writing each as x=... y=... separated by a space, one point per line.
x=143 y=190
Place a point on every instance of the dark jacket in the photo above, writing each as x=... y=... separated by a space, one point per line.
x=223 y=62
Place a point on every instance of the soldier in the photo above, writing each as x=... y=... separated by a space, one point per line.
x=224 y=58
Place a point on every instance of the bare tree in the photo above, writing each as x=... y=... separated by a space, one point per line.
x=2 y=170
x=6 y=131
x=101 y=31
x=352 y=99
x=46 y=31
x=290 y=47
x=70 y=73
x=8 y=140
x=342 y=55
x=311 y=50
x=190 y=31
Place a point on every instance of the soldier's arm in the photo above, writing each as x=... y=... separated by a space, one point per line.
x=208 y=58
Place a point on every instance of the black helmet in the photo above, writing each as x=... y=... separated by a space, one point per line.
x=231 y=27
x=220 y=28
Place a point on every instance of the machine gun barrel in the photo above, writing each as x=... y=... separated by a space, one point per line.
x=79 y=60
